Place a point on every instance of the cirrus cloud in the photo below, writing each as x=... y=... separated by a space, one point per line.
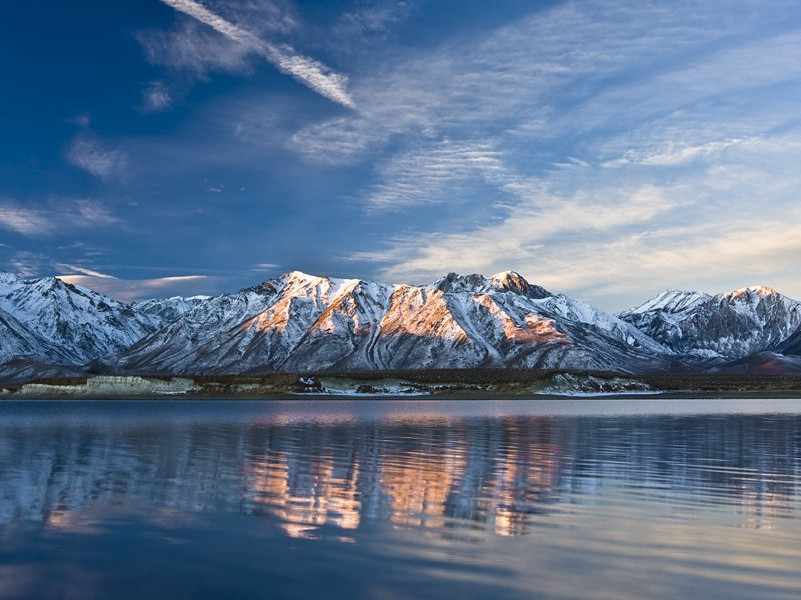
x=304 y=69
x=96 y=157
x=54 y=217
x=129 y=290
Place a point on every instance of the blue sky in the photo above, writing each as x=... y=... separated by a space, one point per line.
x=605 y=149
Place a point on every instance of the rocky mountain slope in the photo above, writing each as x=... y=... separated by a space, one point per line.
x=158 y=312
x=19 y=341
x=301 y=323
x=726 y=326
x=53 y=322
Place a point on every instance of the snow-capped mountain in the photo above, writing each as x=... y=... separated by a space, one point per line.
x=507 y=281
x=185 y=341
x=158 y=312
x=50 y=321
x=300 y=322
x=726 y=326
x=18 y=341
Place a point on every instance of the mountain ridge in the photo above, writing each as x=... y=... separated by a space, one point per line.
x=320 y=323
x=730 y=325
x=302 y=323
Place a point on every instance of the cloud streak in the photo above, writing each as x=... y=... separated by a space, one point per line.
x=28 y=222
x=434 y=173
x=85 y=271
x=576 y=143
x=583 y=232
x=55 y=218
x=156 y=97
x=304 y=69
x=129 y=290
x=376 y=17
x=512 y=78
x=97 y=158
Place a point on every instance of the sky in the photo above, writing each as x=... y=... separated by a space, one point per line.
x=603 y=149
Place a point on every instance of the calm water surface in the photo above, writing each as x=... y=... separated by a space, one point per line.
x=573 y=499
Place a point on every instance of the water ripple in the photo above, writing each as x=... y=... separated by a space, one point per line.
x=541 y=494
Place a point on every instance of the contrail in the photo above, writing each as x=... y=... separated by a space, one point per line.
x=308 y=71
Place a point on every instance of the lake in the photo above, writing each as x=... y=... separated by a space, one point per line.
x=578 y=498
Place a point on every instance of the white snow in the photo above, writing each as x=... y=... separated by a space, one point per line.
x=300 y=321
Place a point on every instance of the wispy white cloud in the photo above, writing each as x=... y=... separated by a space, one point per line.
x=265 y=267
x=608 y=235
x=519 y=239
x=156 y=97
x=373 y=17
x=193 y=47
x=26 y=263
x=435 y=172
x=56 y=216
x=30 y=222
x=139 y=289
x=512 y=77
x=82 y=120
x=304 y=69
x=90 y=153
x=694 y=106
x=84 y=271
x=546 y=77
x=38 y=264
x=672 y=154
x=682 y=101
x=204 y=15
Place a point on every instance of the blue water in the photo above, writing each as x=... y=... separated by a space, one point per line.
x=412 y=499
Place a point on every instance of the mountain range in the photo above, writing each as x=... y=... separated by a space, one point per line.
x=304 y=323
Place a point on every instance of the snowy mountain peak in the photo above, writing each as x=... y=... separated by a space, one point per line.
x=453 y=282
x=319 y=289
x=671 y=301
x=301 y=278
x=511 y=281
x=726 y=326
x=8 y=283
x=505 y=281
x=752 y=291
x=54 y=320
x=8 y=278
x=300 y=322
x=317 y=323
x=508 y=276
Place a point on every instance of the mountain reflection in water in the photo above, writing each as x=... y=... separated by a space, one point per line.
x=335 y=472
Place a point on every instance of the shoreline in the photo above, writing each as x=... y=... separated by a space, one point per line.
x=414 y=385
x=440 y=397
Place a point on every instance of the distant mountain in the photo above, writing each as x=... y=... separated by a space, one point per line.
x=727 y=326
x=158 y=312
x=53 y=322
x=302 y=323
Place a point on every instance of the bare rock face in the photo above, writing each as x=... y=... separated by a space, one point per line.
x=727 y=326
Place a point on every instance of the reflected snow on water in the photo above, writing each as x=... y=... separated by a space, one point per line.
x=578 y=498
